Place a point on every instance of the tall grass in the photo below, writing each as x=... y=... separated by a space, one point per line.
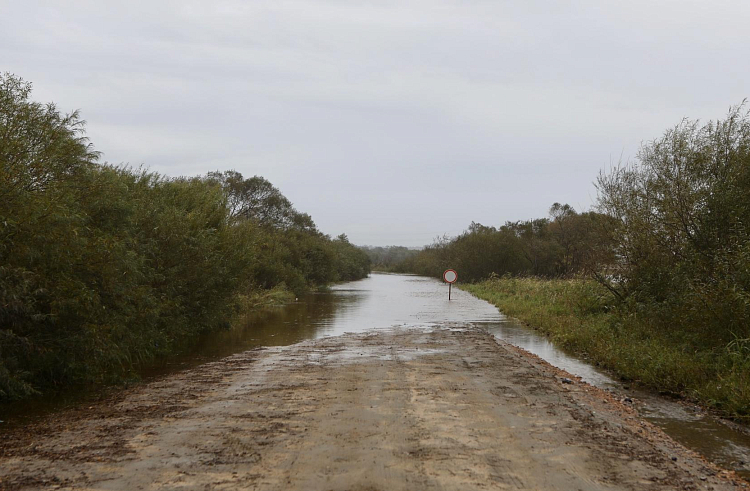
x=580 y=316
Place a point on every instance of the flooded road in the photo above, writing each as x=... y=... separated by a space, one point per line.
x=445 y=407
x=385 y=301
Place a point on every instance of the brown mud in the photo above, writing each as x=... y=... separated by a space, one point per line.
x=403 y=409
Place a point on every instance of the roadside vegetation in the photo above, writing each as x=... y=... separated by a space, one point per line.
x=581 y=316
x=654 y=283
x=105 y=267
x=388 y=259
x=567 y=243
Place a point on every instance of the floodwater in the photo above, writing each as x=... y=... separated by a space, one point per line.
x=386 y=300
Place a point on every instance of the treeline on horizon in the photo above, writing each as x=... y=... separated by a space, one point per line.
x=567 y=243
x=669 y=232
x=389 y=258
x=103 y=267
x=668 y=243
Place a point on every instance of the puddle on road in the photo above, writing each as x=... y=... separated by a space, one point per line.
x=688 y=425
x=350 y=355
x=385 y=301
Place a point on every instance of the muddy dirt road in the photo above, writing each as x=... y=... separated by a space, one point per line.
x=406 y=409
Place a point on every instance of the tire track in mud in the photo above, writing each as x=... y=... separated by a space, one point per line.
x=441 y=409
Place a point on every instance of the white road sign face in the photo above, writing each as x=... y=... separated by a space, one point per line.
x=450 y=276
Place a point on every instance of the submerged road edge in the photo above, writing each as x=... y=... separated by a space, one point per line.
x=443 y=408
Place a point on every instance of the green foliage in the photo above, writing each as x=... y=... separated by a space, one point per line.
x=682 y=222
x=669 y=246
x=103 y=268
x=567 y=244
x=352 y=262
x=582 y=316
x=258 y=200
x=388 y=258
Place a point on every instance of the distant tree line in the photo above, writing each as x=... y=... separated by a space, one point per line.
x=105 y=267
x=669 y=237
x=567 y=243
x=388 y=258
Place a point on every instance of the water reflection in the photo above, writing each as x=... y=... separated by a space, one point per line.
x=385 y=301
x=395 y=300
x=513 y=332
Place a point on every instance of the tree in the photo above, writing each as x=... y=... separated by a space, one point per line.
x=682 y=219
x=257 y=199
x=103 y=268
x=38 y=144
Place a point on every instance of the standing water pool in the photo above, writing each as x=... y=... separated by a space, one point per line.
x=385 y=301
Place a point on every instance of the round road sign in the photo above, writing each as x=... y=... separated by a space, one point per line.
x=450 y=276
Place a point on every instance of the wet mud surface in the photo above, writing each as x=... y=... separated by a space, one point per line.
x=393 y=409
x=385 y=301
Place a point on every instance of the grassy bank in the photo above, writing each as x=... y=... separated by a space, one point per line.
x=580 y=316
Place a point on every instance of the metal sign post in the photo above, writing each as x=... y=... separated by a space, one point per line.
x=450 y=276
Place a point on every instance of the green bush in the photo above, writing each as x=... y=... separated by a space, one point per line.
x=582 y=316
x=569 y=243
x=669 y=247
x=103 y=268
x=682 y=219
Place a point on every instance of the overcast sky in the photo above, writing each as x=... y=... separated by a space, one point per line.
x=393 y=122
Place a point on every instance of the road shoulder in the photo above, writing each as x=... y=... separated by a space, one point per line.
x=448 y=408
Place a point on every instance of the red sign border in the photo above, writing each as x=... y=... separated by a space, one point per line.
x=454 y=272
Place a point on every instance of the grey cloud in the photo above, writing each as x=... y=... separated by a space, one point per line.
x=391 y=121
